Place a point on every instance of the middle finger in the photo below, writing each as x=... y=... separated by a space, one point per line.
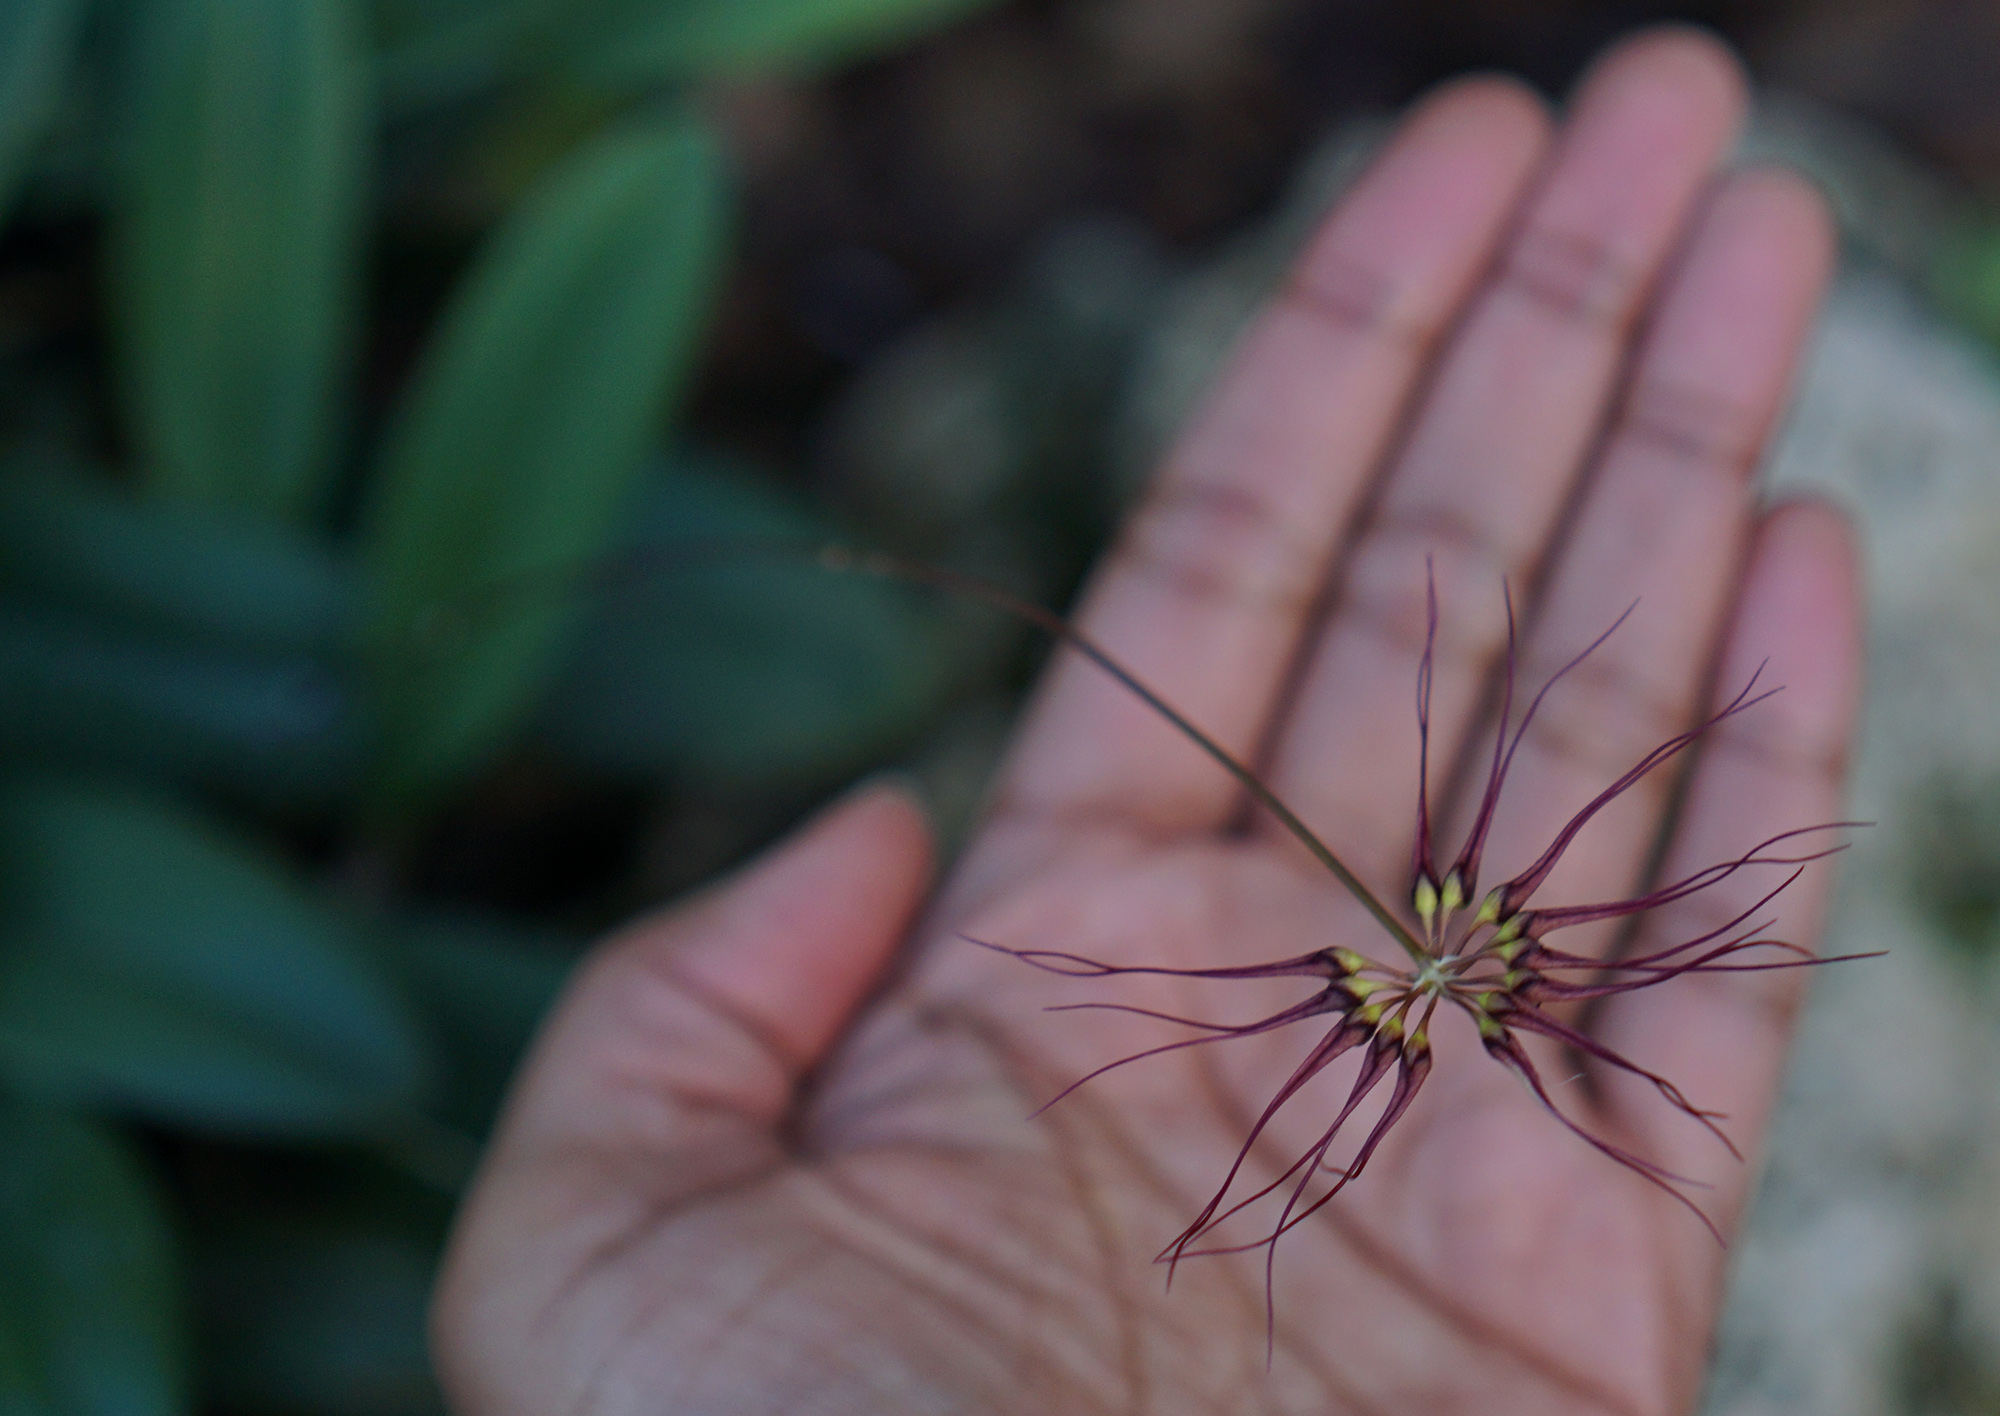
x=1501 y=439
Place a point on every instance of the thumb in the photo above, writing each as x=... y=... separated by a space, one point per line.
x=662 y=1076
x=707 y=1014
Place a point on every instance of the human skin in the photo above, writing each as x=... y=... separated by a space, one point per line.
x=774 y=1152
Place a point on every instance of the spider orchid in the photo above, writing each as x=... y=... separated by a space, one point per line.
x=1491 y=960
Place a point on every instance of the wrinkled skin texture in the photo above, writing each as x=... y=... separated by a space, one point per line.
x=774 y=1152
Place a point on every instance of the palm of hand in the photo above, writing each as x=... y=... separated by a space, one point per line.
x=957 y=1256
x=1488 y=1262
x=666 y=1223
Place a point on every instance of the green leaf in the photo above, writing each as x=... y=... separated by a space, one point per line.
x=234 y=246
x=90 y=1321
x=1965 y=278
x=437 y=51
x=663 y=42
x=434 y=52
x=744 y=668
x=72 y=691
x=150 y=961
x=37 y=43
x=213 y=577
x=524 y=436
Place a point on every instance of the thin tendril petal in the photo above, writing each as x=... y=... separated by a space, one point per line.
x=1539 y=922
x=1550 y=960
x=1506 y=1050
x=1658 y=972
x=1536 y=1021
x=1296 y=1013
x=1546 y=990
x=1374 y=1068
x=1651 y=973
x=1335 y=1044
x=1318 y=964
x=1525 y=884
x=1564 y=916
x=1661 y=973
x=1467 y=868
x=1311 y=1008
x=1271 y=1248
x=1476 y=843
x=1410 y=1074
x=1542 y=955
x=1545 y=957
x=1411 y=1070
x=1811 y=962
x=1311 y=1162
x=1423 y=868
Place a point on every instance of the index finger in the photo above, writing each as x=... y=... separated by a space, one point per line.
x=1207 y=591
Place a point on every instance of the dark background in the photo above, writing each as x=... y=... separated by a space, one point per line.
x=915 y=182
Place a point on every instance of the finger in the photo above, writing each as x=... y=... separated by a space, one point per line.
x=662 y=1075
x=708 y=1014
x=1721 y=1038
x=1205 y=592
x=1496 y=450
x=1664 y=525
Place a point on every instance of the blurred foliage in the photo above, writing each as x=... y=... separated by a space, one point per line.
x=642 y=43
x=151 y=963
x=280 y=606
x=233 y=239
x=524 y=432
x=91 y=1316
x=182 y=572
x=36 y=42
x=1953 y=865
x=438 y=50
x=482 y=983
x=1966 y=279
x=745 y=663
x=1944 y=1366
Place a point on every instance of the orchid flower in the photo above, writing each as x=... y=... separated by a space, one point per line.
x=1488 y=956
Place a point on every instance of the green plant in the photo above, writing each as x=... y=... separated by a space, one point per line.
x=259 y=637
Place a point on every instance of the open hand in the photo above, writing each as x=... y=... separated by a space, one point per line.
x=743 y=1173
